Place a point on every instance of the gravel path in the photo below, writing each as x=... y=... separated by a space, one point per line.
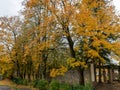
x=107 y=87
x=8 y=88
x=24 y=89
x=5 y=88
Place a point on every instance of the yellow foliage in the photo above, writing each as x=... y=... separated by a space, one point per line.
x=56 y=72
x=73 y=63
x=93 y=54
x=106 y=44
x=4 y=63
x=32 y=3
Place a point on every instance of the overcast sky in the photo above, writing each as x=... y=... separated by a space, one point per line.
x=117 y=4
x=11 y=7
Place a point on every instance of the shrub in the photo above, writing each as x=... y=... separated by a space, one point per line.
x=65 y=87
x=41 y=84
x=81 y=87
x=54 y=85
x=20 y=81
x=78 y=87
x=35 y=82
x=88 y=87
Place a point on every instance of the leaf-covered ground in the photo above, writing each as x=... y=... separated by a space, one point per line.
x=9 y=83
x=113 y=86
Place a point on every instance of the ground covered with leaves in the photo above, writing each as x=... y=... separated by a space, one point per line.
x=105 y=86
x=9 y=83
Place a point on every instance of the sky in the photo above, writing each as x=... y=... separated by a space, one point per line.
x=117 y=4
x=12 y=7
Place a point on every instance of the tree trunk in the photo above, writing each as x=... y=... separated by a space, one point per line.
x=44 y=57
x=100 y=74
x=81 y=74
x=18 y=69
x=104 y=75
x=119 y=73
x=24 y=75
x=70 y=42
x=110 y=75
x=95 y=73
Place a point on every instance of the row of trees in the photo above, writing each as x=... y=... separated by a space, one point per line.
x=55 y=36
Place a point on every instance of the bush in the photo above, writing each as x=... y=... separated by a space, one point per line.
x=65 y=87
x=88 y=87
x=34 y=83
x=20 y=81
x=77 y=87
x=81 y=87
x=54 y=85
x=41 y=84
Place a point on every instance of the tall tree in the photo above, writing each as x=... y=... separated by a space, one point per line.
x=10 y=30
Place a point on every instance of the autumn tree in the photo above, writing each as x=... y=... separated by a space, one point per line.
x=89 y=27
x=41 y=28
x=59 y=35
x=86 y=27
x=98 y=28
x=10 y=30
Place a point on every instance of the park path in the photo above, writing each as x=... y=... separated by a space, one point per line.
x=8 y=88
x=25 y=89
x=107 y=87
x=5 y=88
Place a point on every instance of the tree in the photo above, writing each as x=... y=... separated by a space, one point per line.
x=97 y=30
x=10 y=30
x=59 y=35
x=90 y=30
x=38 y=20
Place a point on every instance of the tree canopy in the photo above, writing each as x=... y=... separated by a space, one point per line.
x=55 y=36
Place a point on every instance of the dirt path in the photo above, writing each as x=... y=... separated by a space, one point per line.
x=107 y=87
x=5 y=88
x=25 y=89
x=8 y=88
x=6 y=84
